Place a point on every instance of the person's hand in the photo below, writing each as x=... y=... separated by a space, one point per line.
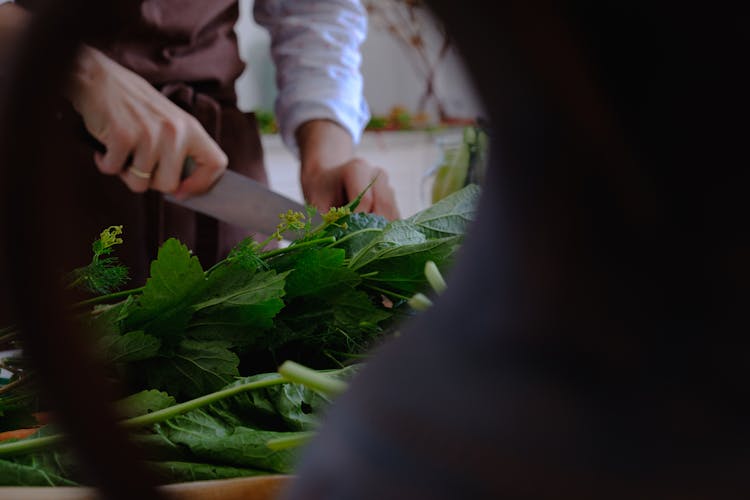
x=331 y=176
x=336 y=186
x=132 y=119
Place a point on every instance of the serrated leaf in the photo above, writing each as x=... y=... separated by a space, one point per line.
x=320 y=271
x=163 y=309
x=357 y=230
x=232 y=289
x=237 y=309
x=133 y=346
x=449 y=216
x=142 y=403
x=355 y=312
x=211 y=439
x=194 y=368
x=396 y=234
x=401 y=269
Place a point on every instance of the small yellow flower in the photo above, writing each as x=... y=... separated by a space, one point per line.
x=109 y=237
x=292 y=220
x=335 y=214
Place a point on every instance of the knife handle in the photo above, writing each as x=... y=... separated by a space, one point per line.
x=188 y=167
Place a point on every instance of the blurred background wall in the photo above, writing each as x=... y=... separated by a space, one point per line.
x=394 y=73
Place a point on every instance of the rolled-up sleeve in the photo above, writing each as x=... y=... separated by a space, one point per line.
x=315 y=47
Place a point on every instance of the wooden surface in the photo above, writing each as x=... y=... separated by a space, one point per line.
x=249 y=488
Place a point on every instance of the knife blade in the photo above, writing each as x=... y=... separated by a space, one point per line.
x=240 y=201
x=235 y=199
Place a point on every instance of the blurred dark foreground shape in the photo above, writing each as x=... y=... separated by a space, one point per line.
x=593 y=342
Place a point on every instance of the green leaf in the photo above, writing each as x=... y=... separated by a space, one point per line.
x=320 y=271
x=401 y=269
x=143 y=402
x=108 y=319
x=245 y=255
x=238 y=336
x=298 y=406
x=257 y=401
x=211 y=439
x=238 y=306
x=156 y=446
x=133 y=346
x=450 y=216
x=353 y=312
x=234 y=290
x=178 y=472
x=396 y=234
x=32 y=474
x=356 y=231
x=355 y=222
x=194 y=368
x=164 y=307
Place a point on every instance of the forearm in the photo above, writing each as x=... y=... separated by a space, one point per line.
x=315 y=47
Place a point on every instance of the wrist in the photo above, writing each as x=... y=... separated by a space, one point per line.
x=88 y=71
x=323 y=144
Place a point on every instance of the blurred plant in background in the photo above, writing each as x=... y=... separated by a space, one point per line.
x=463 y=162
x=266 y=122
x=399 y=118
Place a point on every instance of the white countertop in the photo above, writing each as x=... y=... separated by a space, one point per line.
x=405 y=155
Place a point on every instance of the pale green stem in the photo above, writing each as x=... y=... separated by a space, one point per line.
x=287 y=442
x=178 y=409
x=110 y=297
x=434 y=278
x=420 y=302
x=386 y=292
x=355 y=233
x=299 y=374
x=35 y=444
x=291 y=248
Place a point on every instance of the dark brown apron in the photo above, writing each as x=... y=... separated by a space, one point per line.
x=188 y=50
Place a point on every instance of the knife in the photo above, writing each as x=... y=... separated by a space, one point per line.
x=240 y=201
x=235 y=199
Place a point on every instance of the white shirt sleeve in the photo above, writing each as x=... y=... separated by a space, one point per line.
x=315 y=47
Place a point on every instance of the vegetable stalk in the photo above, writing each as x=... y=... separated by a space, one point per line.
x=39 y=443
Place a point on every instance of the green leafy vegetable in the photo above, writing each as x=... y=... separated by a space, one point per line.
x=104 y=274
x=184 y=338
x=35 y=473
x=133 y=346
x=178 y=472
x=194 y=368
x=164 y=307
x=450 y=216
x=143 y=403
